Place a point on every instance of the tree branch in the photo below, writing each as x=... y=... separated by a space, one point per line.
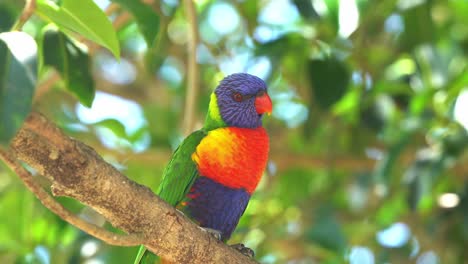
x=58 y=209
x=28 y=11
x=77 y=171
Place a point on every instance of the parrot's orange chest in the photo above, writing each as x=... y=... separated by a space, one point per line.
x=233 y=157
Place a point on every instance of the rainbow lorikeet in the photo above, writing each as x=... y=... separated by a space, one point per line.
x=215 y=170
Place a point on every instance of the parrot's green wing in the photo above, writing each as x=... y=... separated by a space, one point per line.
x=181 y=171
x=178 y=177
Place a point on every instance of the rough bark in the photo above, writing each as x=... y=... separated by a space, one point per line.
x=77 y=171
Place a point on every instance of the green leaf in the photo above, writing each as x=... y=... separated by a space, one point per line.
x=421 y=177
x=83 y=17
x=306 y=9
x=71 y=62
x=457 y=84
x=419 y=26
x=391 y=210
x=326 y=230
x=17 y=81
x=117 y=128
x=7 y=17
x=301 y=185
x=278 y=48
x=332 y=15
x=329 y=79
x=385 y=166
x=147 y=20
x=349 y=105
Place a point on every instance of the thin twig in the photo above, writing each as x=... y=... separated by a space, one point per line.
x=28 y=10
x=121 y=20
x=111 y=9
x=192 y=71
x=96 y=231
x=155 y=6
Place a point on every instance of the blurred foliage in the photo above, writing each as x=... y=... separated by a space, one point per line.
x=73 y=64
x=16 y=72
x=368 y=134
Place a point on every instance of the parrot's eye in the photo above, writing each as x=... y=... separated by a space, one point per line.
x=237 y=97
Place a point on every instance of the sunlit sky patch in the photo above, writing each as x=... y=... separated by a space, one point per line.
x=260 y=67
x=108 y=106
x=415 y=247
x=448 y=200
x=132 y=39
x=223 y=18
x=320 y=7
x=374 y=153
x=292 y=113
x=357 y=197
x=269 y=259
x=204 y=55
x=279 y=12
x=244 y=61
x=21 y=45
x=394 y=24
x=460 y=112
x=172 y=71
x=103 y=4
x=407 y=4
x=119 y=72
x=397 y=235
x=361 y=255
x=171 y=2
x=233 y=64
x=89 y=248
x=208 y=34
x=293 y=227
x=429 y=257
x=127 y=112
x=94 y=261
x=348 y=17
x=42 y=254
x=112 y=141
x=264 y=34
x=356 y=78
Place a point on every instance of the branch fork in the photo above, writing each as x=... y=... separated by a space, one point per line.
x=77 y=171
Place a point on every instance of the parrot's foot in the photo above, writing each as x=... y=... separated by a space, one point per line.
x=182 y=213
x=244 y=250
x=215 y=233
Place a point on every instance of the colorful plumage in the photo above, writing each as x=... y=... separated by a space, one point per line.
x=215 y=170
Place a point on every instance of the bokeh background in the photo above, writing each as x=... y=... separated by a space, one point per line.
x=368 y=156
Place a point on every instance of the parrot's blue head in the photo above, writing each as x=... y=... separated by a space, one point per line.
x=242 y=99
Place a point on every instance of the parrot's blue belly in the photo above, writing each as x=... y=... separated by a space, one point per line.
x=216 y=206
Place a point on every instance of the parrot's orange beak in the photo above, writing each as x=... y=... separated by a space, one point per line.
x=263 y=103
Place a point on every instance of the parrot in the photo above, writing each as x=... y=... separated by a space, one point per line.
x=214 y=171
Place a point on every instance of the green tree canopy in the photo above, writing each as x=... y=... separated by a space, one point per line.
x=369 y=131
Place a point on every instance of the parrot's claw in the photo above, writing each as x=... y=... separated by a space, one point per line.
x=215 y=233
x=182 y=213
x=244 y=250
